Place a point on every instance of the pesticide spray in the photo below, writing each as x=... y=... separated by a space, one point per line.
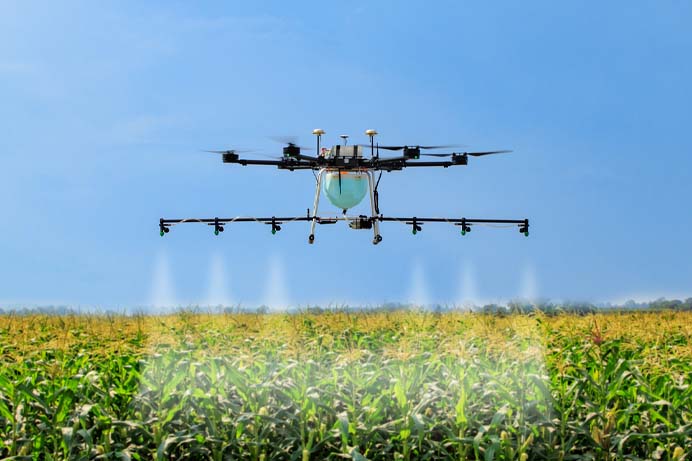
x=275 y=292
x=468 y=294
x=529 y=284
x=217 y=292
x=419 y=296
x=162 y=291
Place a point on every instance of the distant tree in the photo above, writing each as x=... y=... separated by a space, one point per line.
x=687 y=305
x=314 y=310
x=494 y=309
x=630 y=304
x=520 y=307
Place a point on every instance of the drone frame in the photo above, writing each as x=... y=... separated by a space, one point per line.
x=293 y=160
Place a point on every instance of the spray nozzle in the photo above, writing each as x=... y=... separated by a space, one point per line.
x=275 y=226
x=415 y=227
x=217 y=226
x=163 y=229
x=464 y=227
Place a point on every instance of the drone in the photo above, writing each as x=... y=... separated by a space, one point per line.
x=347 y=176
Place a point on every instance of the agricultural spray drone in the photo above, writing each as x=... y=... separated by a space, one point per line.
x=346 y=177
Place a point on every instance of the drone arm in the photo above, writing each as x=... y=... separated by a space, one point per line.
x=464 y=223
x=244 y=162
x=219 y=223
x=387 y=163
x=399 y=163
x=415 y=222
x=454 y=220
x=283 y=164
x=308 y=158
x=212 y=221
x=430 y=164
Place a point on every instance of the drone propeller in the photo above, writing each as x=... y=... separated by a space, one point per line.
x=472 y=154
x=418 y=147
x=230 y=151
x=290 y=141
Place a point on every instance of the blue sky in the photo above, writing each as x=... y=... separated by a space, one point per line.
x=106 y=106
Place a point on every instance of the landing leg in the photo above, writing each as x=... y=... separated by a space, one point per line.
x=377 y=238
x=318 y=189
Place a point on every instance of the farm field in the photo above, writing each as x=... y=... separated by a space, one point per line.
x=341 y=385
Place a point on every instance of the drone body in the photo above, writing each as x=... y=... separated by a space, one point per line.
x=346 y=188
x=347 y=177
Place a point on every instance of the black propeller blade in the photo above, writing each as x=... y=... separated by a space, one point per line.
x=230 y=151
x=490 y=152
x=472 y=154
x=290 y=141
x=416 y=147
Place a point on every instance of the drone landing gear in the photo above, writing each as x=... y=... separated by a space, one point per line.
x=373 y=206
x=372 y=220
x=316 y=204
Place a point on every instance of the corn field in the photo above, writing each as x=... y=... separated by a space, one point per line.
x=342 y=385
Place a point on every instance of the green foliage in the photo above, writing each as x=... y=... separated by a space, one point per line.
x=363 y=386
